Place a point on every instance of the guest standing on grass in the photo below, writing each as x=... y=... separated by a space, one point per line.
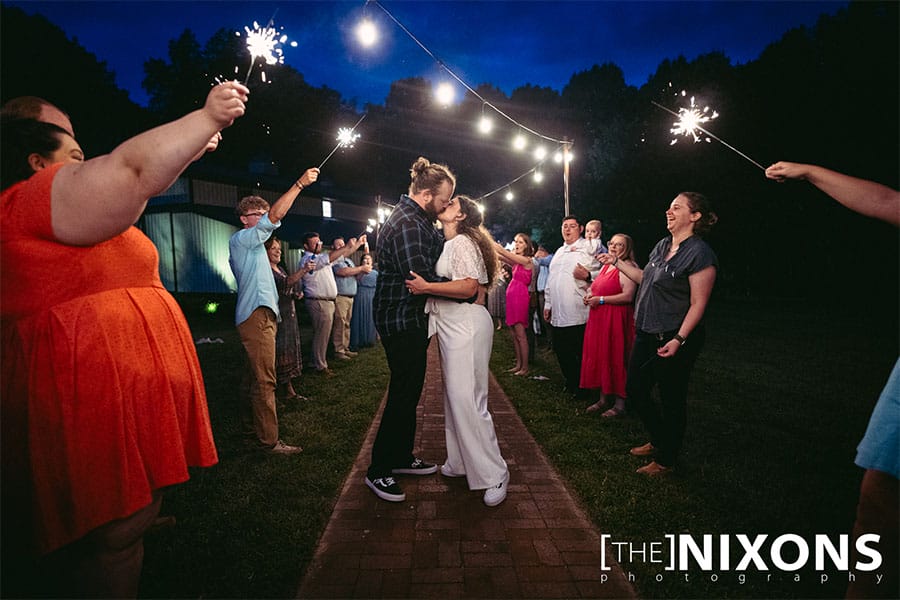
x=518 y=298
x=675 y=287
x=407 y=242
x=496 y=297
x=609 y=333
x=288 y=358
x=102 y=397
x=345 y=276
x=879 y=451
x=320 y=290
x=465 y=334
x=564 y=305
x=257 y=312
x=362 y=323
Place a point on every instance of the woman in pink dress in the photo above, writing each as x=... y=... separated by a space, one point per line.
x=609 y=333
x=518 y=297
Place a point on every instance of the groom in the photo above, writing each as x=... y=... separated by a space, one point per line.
x=407 y=242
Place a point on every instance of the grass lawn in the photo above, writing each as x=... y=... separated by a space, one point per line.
x=779 y=399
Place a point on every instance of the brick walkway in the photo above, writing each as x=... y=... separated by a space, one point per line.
x=443 y=542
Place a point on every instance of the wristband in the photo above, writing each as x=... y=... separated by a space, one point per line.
x=681 y=340
x=602 y=300
x=299 y=185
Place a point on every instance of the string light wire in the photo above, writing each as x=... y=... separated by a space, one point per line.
x=444 y=66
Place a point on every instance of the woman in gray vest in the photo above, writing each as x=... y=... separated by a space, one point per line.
x=675 y=287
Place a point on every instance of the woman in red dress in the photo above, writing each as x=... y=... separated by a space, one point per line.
x=102 y=397
x=518 y=297
x=609 y=333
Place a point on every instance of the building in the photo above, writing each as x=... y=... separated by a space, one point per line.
x=191 y=222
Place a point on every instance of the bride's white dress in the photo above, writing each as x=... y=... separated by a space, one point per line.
x=465 y=335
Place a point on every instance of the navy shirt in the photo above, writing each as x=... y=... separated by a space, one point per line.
x=665 y=294
x=407 y=242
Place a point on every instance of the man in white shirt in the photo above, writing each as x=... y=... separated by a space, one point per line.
x=564 y=304
x=320 y=290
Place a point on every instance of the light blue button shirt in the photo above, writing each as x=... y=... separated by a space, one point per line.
x=250 y=264
x=346 y=286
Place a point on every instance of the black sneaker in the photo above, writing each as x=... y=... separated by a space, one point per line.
x=418 y=467
x=386 y=489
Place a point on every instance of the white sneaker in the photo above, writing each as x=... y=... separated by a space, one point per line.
x=446 y=472
x=497 y=494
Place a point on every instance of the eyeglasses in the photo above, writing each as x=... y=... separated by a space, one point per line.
x=254 y=214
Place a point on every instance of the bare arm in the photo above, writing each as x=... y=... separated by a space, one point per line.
x=512 y=258
x=461 y=289
x=97 y=200
x=286 y=201
x=701 y=289
x=348 y=249
x=631 y=270
x=296 y=276
x=860 y=195
x=626 y=296
x=353 y=271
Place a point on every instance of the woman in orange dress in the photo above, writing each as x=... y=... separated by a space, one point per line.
x=102 y=398
x=609 y=333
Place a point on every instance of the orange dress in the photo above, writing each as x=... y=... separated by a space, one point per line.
x=102 y=395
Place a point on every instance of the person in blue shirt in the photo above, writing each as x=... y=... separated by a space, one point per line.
x=257 y=312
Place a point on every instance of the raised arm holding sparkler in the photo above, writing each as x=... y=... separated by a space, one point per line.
x=100 y=198
x=865 y=197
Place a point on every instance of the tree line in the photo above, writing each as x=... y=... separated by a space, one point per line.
x=826 y=94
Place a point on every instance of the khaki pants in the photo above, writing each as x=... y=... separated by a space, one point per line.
x=258 y=337
x=321 y=312
x=340 y=334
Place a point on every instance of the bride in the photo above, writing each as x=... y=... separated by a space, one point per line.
x=465 y=335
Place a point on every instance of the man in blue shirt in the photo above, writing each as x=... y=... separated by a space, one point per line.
x=257 y=305
x=407 y=242
x=345 y=274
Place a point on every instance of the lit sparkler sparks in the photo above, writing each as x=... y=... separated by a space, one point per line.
x=346 y=137
x=691 y=120
x=265 y=43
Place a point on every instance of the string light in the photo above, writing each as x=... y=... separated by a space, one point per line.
x=538 y=176
x=520 y=142
x=485 y=125
x=540 y=153
x=367 y=33
x=509 y=195
x=444 y=93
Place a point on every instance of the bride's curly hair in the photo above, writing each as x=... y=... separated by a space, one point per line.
x=473 y=227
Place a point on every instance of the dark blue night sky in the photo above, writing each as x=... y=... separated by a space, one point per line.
x=507 y=44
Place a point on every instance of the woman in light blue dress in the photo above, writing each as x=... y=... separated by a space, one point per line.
x=362 y=324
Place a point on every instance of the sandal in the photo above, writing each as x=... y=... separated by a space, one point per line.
x=615 y=411
x=599 y=405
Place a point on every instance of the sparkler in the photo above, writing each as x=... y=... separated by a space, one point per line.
x=265 y=43
x=690 y=121
x=346 y=137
